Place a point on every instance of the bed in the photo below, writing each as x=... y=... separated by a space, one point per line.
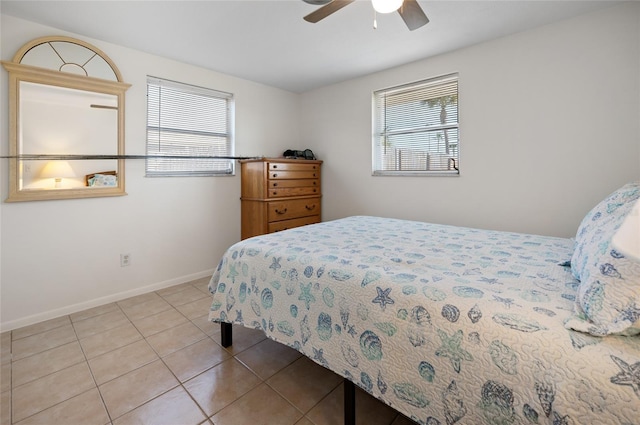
x=453 y=325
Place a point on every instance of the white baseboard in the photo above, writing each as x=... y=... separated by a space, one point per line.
x=74 y=308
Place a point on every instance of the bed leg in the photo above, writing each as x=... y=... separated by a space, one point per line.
x=349 y=403
x=227 y=334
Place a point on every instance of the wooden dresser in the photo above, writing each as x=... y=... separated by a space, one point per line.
x=279 y=194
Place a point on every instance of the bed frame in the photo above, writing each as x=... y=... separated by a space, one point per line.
x=226 y=330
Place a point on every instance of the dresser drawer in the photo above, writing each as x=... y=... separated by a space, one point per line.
x=293 y=191
x=290 y=175
x=285 y=210
x=293 y=166
x=278 y=226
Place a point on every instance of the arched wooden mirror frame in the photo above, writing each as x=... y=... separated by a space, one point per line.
x=95 y=74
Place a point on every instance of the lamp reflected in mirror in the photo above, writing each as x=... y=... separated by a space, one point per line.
x=57 y=170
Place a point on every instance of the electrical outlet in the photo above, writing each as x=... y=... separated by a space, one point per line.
x=125 y=260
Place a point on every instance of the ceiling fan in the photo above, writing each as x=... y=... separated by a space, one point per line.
x=410 y=11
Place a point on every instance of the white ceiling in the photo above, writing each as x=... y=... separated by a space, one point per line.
x=267 y=41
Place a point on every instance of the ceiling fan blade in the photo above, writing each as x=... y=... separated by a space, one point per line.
x=326 y=10
x=412 y=14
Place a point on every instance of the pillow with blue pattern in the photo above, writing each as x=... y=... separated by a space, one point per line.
x=608 y=300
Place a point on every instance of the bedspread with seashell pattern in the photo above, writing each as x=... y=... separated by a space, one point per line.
x=444 y=324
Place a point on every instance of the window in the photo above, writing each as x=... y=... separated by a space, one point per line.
x=416 y=128
x=189 y=121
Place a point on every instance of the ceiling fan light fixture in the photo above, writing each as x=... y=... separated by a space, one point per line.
x=386 y=6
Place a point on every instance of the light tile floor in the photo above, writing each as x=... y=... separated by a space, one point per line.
x=156 y=359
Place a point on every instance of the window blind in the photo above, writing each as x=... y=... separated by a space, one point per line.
x=416 y=128
x=190 y=121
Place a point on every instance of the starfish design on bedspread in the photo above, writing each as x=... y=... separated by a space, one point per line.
x=232 y=272
x=629 y=375
x=306 y=295
x=383 y=297
x=275 y=264
x=451 y=348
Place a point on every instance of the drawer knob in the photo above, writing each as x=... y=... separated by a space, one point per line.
x=310 y=207
x=315 y=190
x=275 y=193
x=314 y=174
x=284 y=211
x=275 y=174
x=275 y=166
x=275 y=184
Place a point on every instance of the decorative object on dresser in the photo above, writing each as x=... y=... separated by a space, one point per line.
x=279 y=194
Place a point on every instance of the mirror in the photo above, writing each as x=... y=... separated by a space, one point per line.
x=66 y=122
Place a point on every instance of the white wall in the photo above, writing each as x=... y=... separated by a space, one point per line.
x=63 y=256
x=548 y=127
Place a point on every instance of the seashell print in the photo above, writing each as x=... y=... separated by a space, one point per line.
x=215 y=305
x=580 y=340
x=363 y=312
x=414 y=255
x=290 y=287
x=230 y=300
x=403 y=278
x=402 y=314
x=454 y=408
x=433 y=294
x=616 y=254
x=344 y=313
x=544 y=311
x=506 y=273
x=328 y=296
x=503 y=357
x=534 y=296
x=308 y=271
x=409 y=290
x=293 y=274
x=609 y=270
x=324 y=328
x=337 y=328
x=252 y=252
x=320 y=272
x=242 y=292
x=275 y=284
x=245 y=269
x=426 y=371
x=271 y=327
x=561 y=420
x=420 y=316
x=497 y=403
x=285 y=328
x=410 y=394
x=266 y=298
x=450 y=312
x=387 y=328
x=350 y=355
x=222 y=287
x=432 y=421
x=416 y=336
x=517 y=322
x=530 y=413
x=382 y=385
x=305 y=330
x=546 y=395
x=474 y=338
x=256 y=308
x=293 y=309
x=467 y=292
x=474 y=314
x=366 y=381
x=370 y=345
x=329 y=258
x=339 y=275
